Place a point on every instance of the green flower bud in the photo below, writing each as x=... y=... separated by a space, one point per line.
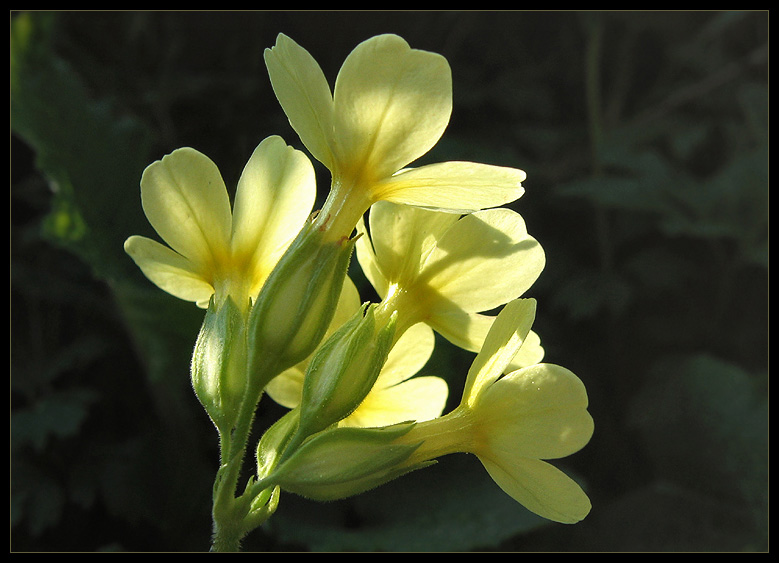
x=298 y=300
x=342 y=462
x=344 y=369
x=218 y=367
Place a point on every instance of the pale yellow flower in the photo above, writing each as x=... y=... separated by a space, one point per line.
x=513 y=423
x=397 y=396
x=213 y=250
x=389 y=106
x=446 y=271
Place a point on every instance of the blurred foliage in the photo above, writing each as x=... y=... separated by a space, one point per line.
x=644 y=136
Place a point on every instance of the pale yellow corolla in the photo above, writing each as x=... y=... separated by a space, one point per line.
x=390 y=105
x=214 y=250
x=513 y=423
x=446 y=271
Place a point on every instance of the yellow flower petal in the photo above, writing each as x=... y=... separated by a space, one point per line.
x=275 y=195
x=287 y=387
x=468 y=331
x=483 y=261
x=460 y=187
x=392 y=104
x=403 y=237
x=446 y=269
x=409 y=355
x=366 y=257
x=501 y=345
x=419 y=399
x=305 y=96
x=539 y=411
x=531 y=352
x=168 y=270
x=464 y=330
x=539 y=487
x=186 y=201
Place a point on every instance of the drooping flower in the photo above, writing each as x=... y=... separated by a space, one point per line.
x=390 y=106
x=514 y=422
x=446 y=271
x=213 y=250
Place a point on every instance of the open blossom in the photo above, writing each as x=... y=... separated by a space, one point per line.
x=445 y=270
x=514 y=422
x=213 y=250
x=390 y=106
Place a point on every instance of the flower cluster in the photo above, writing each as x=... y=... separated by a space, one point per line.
x=284 y=319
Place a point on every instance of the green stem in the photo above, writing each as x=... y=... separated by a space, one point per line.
x=227 y=537
x=228 y=512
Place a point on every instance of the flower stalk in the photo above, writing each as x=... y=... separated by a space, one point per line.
x=283 y=318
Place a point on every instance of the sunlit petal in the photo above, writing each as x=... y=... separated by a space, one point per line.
x=453 y=186
x=275 y=195
x=186 y=201
x=404 y=237
x=501 y=345
x=468 y=331
x=304 y=94
x=392 y=104
x=539 y=411
x=531 y=352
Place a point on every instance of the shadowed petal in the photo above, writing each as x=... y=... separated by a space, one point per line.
x=409 y=355
x=419 y=399
x=168 y=270
x=468 y=331
x=540 y=487
x=483 y=261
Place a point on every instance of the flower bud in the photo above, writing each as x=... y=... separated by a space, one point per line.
x=218 y=367
x=298 y=300
x=342 y=462
x=344 y=369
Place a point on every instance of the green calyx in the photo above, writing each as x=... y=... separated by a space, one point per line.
x=342 y=462
x=218 y=367
x=344 y=369
x=298 y=300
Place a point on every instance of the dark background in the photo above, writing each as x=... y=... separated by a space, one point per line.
x=644 y=138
